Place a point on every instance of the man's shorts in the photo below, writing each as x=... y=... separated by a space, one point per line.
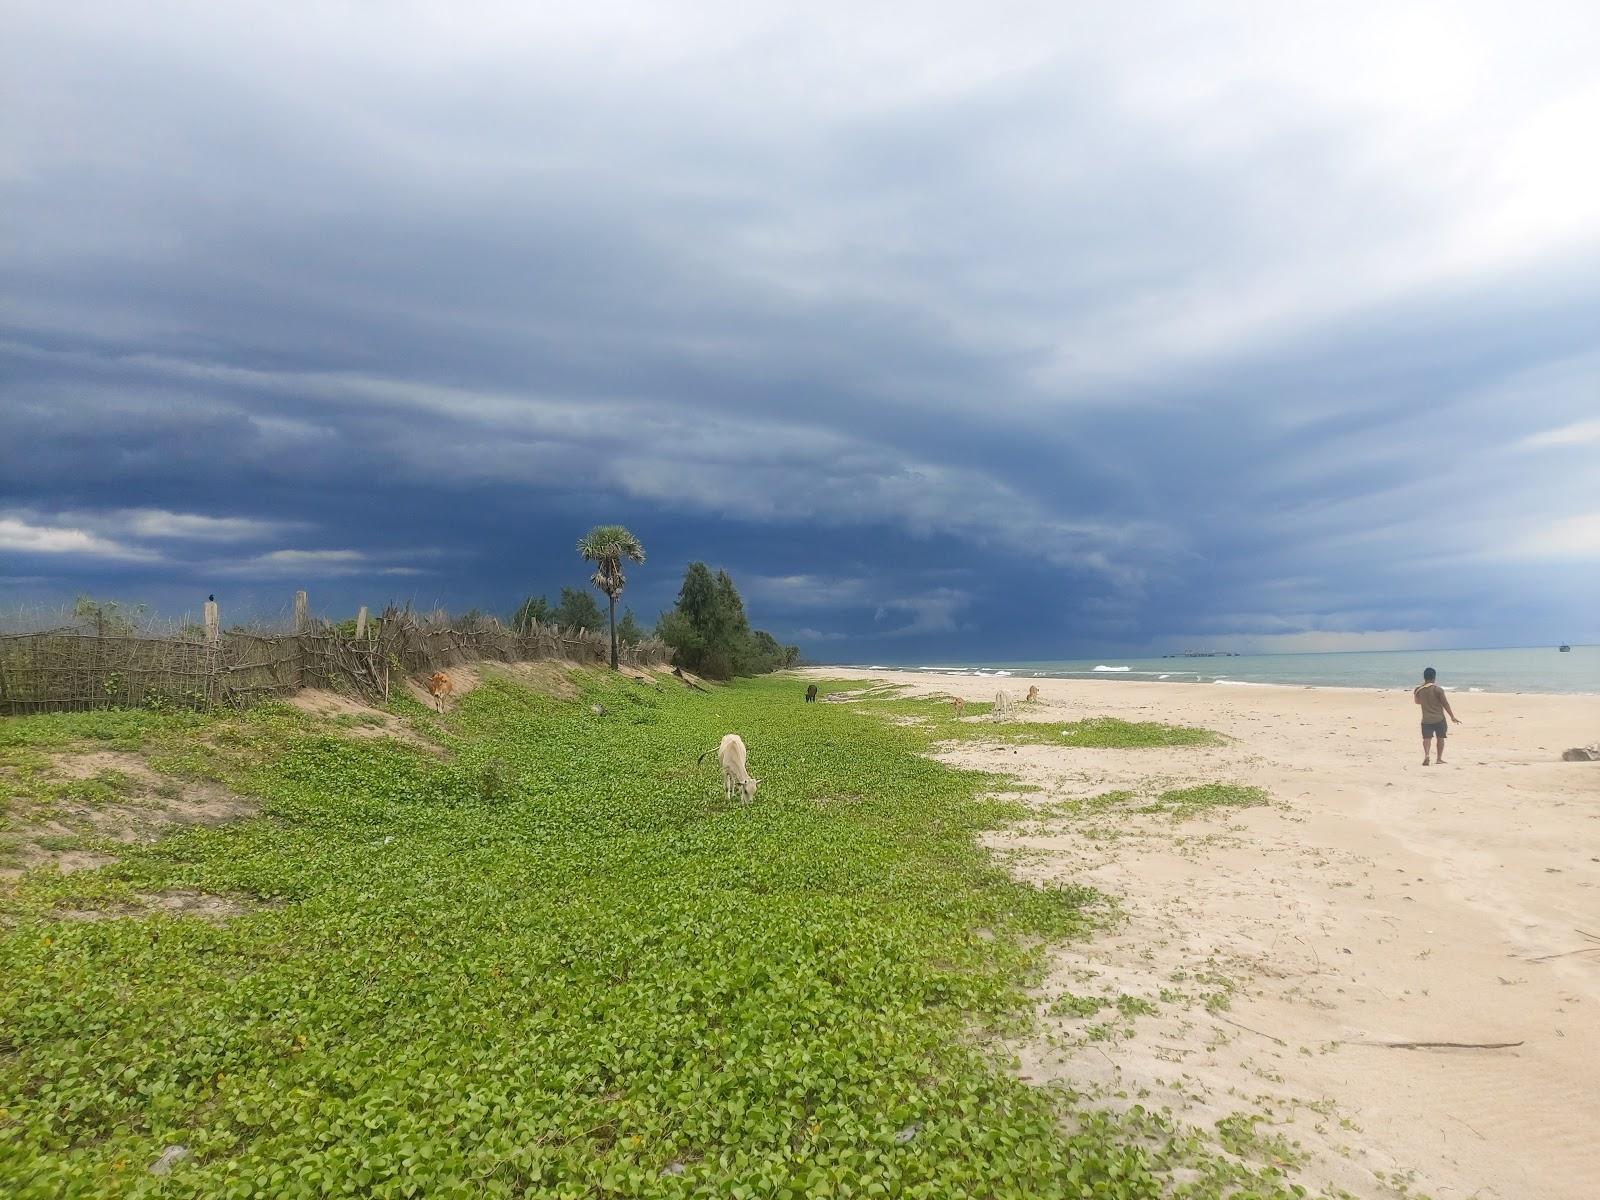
x=1433 y=729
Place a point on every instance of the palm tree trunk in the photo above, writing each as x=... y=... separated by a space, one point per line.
x=613 y=600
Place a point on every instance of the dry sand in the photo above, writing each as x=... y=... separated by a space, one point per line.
x=1286 y=948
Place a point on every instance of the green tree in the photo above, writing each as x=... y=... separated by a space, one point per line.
x=629 y=632
x=577 y=610
x=606 y=546
x=710 y=634
x=535 y=610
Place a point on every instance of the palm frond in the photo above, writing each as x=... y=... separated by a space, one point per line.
x=610 y=542
x=606 y=546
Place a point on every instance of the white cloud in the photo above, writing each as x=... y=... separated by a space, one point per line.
x=1570 y=538
x=301 y=558
x=321 y=564
x=1580 y=433
x=160 y=524
x=21 y=535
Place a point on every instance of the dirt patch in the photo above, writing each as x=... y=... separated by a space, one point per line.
x=146 y=805
x=87 y=766
x=355 y=718
x=202 y=803
x=639 y=675
x=66 y=861
x=180 y=902
x=552 y=678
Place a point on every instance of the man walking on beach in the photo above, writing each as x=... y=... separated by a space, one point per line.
x=1434 y=707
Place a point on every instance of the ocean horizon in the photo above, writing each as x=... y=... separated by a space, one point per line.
x=1536 y=669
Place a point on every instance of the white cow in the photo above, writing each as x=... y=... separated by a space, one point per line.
x=1002 y=706
x=735 y=776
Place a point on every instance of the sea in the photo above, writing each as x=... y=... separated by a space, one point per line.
x=1519 y=669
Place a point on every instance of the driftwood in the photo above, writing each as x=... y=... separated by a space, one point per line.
x=1247 y=1029
x=687 y=682
x=1594 y=949
x=1438 y=1045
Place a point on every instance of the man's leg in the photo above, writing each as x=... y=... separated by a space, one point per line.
x=1426 y=738
x=1439 y=754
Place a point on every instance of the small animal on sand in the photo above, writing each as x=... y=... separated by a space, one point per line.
x=960 y=705
x=811 y=693
x=1033 y=693
x=735 y=777
x=1002 y=706
x=440 y=688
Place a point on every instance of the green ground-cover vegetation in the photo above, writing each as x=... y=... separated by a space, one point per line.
x=1088 y=733
x=553 y=962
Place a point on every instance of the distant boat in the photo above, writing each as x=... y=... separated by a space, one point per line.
x=1565 y=649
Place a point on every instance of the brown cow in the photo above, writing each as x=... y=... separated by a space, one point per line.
x=440 y=688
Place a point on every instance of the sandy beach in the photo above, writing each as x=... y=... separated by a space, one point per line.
x=1300 y=957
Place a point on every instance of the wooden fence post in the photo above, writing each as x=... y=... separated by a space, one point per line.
x=361 y=621
x=300 y=611
x=213 y=622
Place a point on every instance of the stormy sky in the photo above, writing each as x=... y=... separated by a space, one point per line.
x=952 y=331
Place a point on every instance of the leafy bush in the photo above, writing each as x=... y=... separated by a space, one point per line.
x=710 y=634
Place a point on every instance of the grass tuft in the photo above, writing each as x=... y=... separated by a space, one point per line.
x=1183 y=803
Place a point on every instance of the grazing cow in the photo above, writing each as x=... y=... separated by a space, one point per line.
x=440 y=688
x=811 y=693
x=960 y=706
x=1002 y=706
x=735 y=776
x=1033 y=693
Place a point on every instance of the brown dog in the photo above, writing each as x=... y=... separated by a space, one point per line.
x=960 y=706
x=1033 y=693
x=440 y=688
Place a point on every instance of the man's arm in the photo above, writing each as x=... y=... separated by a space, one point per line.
x=1416 y=694
x=1450 y=712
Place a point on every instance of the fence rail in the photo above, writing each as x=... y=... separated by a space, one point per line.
x=75 y=668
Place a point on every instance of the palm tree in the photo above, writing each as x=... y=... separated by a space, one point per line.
x=606 y=546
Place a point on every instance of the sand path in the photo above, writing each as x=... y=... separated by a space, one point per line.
x=1374 y=902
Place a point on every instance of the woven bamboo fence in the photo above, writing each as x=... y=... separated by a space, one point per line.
x=76 y=668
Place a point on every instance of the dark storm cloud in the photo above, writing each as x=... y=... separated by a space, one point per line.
x=989 y=334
